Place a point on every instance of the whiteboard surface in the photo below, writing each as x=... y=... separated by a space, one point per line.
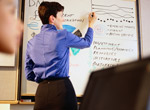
x=115 y=36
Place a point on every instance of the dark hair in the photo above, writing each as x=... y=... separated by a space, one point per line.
x=47 y=9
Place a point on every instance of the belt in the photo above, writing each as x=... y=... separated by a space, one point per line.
x=54 y=79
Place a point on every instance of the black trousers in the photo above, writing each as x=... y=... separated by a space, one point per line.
x=56 y=94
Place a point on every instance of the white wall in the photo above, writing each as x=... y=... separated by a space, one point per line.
x=4 y=107
x=145 y=25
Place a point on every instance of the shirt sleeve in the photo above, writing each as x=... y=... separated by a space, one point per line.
x=29 y=64
x=77 y=42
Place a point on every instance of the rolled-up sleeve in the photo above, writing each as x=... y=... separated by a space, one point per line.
x=77 y=42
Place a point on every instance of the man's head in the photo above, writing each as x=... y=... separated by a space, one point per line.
x=51 y=13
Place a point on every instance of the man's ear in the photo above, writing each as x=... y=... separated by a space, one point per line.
x=51 y=19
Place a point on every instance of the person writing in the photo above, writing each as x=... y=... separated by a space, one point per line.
x=47 y=59
x=11 y=28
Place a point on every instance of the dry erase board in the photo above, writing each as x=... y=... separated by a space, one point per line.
x=116 y=36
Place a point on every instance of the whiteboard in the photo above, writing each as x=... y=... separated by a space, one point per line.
x=115 y=36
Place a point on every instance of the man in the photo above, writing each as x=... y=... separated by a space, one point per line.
x=10 y=27
x=47 y=59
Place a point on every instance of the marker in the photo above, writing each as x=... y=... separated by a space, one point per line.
x=92 y=14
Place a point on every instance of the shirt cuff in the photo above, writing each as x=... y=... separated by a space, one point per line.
x=90 y=30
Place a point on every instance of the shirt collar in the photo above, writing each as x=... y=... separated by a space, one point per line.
x=49 y=26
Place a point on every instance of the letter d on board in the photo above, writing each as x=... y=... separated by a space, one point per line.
x=31 y=3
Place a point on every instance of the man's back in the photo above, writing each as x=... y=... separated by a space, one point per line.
x=48 y=52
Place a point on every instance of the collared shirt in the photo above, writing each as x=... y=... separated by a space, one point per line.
x=47 y=53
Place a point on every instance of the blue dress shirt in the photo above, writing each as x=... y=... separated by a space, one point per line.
x=47 y=53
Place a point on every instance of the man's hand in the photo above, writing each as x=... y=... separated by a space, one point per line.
x=92 y=19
